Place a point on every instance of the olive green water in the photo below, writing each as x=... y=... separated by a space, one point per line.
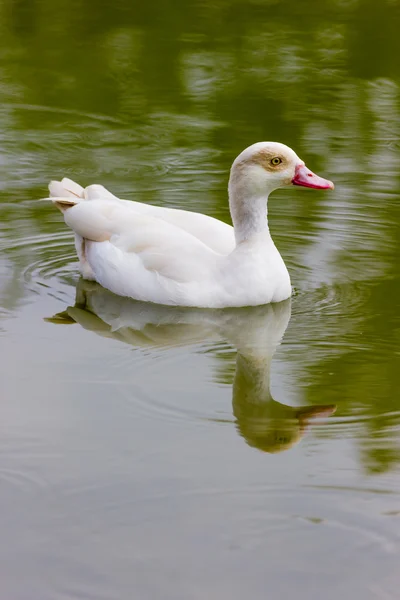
x=151 y=453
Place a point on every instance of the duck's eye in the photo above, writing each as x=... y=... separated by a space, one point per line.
x=276 y=161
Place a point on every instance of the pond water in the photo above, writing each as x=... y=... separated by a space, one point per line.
x=157 y=453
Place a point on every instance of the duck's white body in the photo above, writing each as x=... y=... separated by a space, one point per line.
x=178 y=257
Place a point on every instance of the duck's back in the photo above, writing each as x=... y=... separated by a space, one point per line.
x=216 y=234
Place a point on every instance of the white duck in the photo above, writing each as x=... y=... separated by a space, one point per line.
x=177 y=257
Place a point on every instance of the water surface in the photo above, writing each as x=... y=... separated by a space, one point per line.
x=158 y=453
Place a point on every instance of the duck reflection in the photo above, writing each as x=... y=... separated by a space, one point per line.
x=255 y=332
x=265 y=423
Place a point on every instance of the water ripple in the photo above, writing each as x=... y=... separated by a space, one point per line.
x=50 y=264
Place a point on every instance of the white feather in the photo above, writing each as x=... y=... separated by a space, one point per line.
x=177 y=257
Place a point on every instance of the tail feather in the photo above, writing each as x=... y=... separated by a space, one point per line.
x=66 y=188
x=64 y=204
x=72 y=187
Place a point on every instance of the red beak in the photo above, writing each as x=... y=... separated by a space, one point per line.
x=306 y=178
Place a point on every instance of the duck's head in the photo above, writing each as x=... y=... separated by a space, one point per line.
x=274 y=427
x=266 y=166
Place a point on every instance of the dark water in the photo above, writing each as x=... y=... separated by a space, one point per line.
x=159 y=454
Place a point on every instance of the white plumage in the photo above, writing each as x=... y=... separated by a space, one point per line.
x=177 y=257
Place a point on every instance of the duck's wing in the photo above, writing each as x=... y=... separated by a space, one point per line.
x=216 y=234
x=140 y=256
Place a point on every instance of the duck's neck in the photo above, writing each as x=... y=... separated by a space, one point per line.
x=252 y=379
x=248 y=209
